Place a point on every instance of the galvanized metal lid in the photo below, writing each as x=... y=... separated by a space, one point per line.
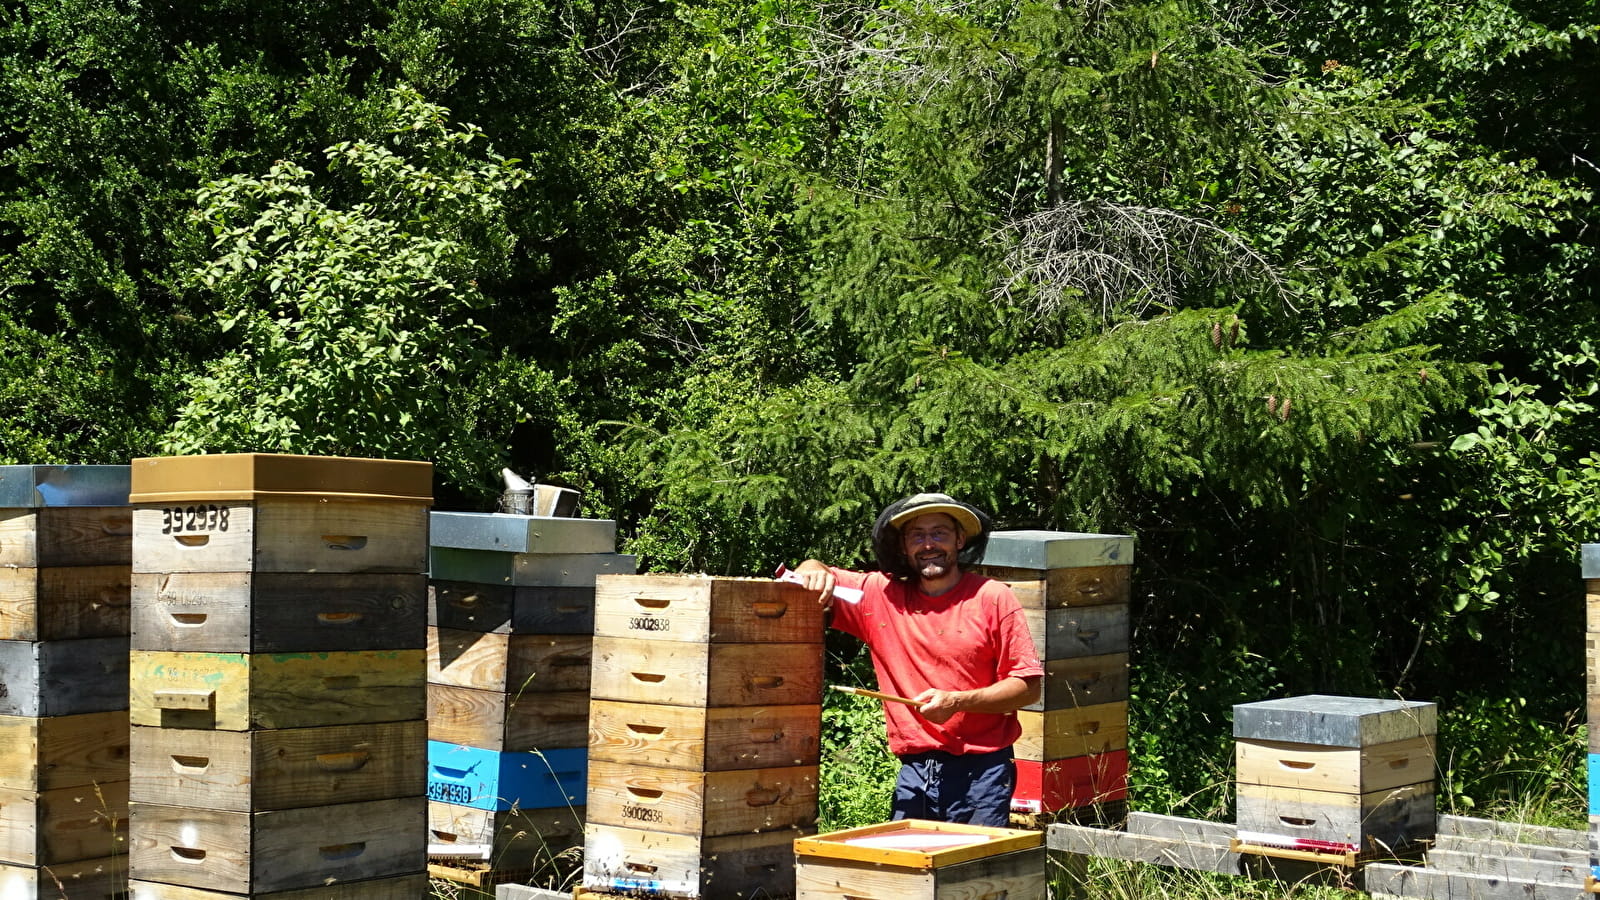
x=29 y=487
x=1057 y=550
x=1591 y=561
x=254 y=476
x=507 y=533
x=1331 y=721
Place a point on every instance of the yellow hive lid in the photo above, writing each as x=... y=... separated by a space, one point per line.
x=254 y=476
x=918 y=843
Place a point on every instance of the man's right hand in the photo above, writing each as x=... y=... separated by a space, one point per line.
x=816 y=576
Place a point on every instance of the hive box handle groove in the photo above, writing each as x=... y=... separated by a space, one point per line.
x=344 y=541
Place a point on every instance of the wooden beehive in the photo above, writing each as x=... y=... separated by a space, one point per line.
x=1083 y=681
x=500 y=780
x=1074 y=731
x=1335 y=772
x=1351 y=770
x=247 y=612
x=89 y=879
x=687 y=866
x=914 y=859
x=505 y=609
x=1079 y=631
x=735 y=801
x=704 y=739
x=63 y=678
x=66 y=536
x=41 y=754
x=495 y=720
x=506 y=839
x=245 y=771
x=1071 y=782
x=509 y=663
x=277 y=850
x=63 y=825
x=514 y=534
x=527 y=569
x=400 y=887
x=706 y=609
x=680 y=673
x=63 y=603
x=1064 y=588
x=243 y=691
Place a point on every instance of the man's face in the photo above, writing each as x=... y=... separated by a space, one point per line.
x=931 y=543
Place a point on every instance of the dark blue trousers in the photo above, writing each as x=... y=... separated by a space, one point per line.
x=944 y=787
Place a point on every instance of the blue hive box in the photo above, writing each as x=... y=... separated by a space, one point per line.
x=496 y=780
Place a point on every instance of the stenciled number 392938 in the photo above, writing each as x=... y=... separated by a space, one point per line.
x=178 y=519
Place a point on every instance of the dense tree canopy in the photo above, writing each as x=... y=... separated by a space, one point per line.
x=1303 y=295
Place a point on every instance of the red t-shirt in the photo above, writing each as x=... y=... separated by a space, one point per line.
x=969 y=637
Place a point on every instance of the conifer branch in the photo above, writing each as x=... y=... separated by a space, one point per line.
x=1123 y=259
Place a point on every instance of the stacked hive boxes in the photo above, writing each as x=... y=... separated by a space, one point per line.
x=703 y=736
x=277 y=677
x=511 y=623
x=1074 y=589
x=1335 y=774
x=1591 y=586
x=65 y=546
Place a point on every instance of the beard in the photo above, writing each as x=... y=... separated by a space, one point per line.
x=933 y=565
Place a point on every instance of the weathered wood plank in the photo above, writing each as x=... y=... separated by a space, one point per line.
x=42 y=754
x=705 y=739
x=244 y=691
x=64 y=603
x=1384 y=880
x=280 y=850
x=1516 y=832
x=681 y=673
x=1454 y=843
x=1181 y=829
x=513 y=663
x=1510 y=868
x=1078 y=731
x=1203 y=855
x=252 y=771
x=498 y=721
x=243 y=612
x=63 y=678
x=701 y=803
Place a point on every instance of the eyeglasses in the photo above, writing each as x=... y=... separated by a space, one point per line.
x=935 y=536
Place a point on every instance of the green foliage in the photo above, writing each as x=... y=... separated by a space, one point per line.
x=354 y=324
